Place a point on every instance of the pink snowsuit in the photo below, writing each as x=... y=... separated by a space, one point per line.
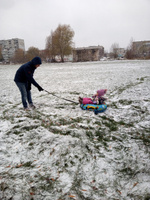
x=87 y=101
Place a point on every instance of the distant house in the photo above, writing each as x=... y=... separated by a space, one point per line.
x=8 y=47
x=92 y=53
x=141 y=49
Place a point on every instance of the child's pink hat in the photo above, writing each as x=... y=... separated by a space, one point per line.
x=101 y=92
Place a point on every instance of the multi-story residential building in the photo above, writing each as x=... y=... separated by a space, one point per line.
x=141 y=49
x=92 y=53
x=8 y=47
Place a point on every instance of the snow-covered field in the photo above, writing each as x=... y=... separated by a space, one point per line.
x=60 y=152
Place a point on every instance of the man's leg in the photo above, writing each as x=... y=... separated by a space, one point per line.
x=29 y=97
x=22 y=88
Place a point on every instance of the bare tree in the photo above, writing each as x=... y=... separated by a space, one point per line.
x=60 y=41
x=31 y=53
x=1 y=56
x=114 y=50
x=51 y=47
x=130 y=50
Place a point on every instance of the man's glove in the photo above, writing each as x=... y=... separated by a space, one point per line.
x=40 y=88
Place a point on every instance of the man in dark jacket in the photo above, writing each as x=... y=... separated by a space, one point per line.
x=24 y=79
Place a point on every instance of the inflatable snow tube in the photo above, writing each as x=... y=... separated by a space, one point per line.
x=96 y=108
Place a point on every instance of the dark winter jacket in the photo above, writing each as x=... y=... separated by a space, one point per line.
x=25 y=73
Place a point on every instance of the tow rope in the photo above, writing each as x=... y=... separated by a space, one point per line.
x=61 y=97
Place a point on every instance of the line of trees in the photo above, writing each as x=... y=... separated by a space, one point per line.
x=128 y=53
x=131 y=52
x=20 y=56
x=58 y=43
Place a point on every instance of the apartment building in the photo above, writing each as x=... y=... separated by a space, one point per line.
x=92 y=53
x=141 y=49
x=8 y=47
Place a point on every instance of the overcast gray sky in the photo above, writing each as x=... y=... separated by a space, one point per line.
x=95 y=22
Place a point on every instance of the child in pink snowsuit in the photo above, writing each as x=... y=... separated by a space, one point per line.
x=96 y=99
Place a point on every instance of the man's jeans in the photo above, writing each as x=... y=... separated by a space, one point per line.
x=25 y=94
